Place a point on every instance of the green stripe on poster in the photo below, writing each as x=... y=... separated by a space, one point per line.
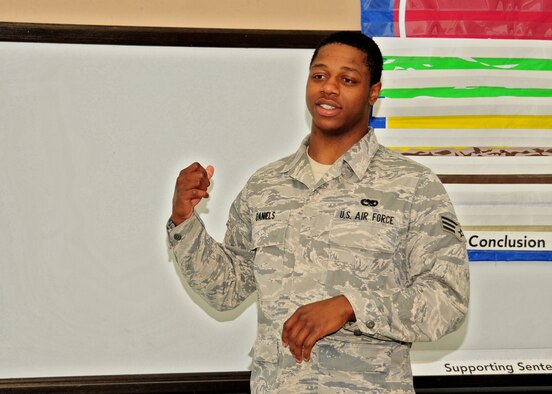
x=398 y=63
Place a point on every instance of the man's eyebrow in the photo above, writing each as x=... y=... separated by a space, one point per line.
x=319 y=65
x=345 y=68
x=350 y=69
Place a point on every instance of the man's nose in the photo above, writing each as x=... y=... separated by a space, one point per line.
x=330 y=87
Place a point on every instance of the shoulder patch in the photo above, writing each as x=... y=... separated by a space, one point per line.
x=452 y=227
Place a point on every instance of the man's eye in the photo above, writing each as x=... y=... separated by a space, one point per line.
x=348 y=81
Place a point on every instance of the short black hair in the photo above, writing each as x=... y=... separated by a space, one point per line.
x=374 y=58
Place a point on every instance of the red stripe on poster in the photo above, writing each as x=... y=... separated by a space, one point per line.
x=396 y=24
x=478 y=16
x=492 y=5
x=477 y=21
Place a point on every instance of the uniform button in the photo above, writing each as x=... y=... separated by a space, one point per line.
x=357 y=332
x=177 y=236
x=370 y=324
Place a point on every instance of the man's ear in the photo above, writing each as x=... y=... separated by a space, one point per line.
x=375 y=90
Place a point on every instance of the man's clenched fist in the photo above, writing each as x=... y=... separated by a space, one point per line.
x=191 y=187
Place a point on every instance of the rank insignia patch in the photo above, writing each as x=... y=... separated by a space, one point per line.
x=452 y=227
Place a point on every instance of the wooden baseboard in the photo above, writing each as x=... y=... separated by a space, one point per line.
x=218 y=382
x=238 y=383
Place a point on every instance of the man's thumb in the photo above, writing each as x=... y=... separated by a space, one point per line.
x=210 y=171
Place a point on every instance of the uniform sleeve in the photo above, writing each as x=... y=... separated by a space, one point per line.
x=435 y=298
x=221 y=273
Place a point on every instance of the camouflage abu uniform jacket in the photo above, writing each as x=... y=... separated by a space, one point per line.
x=377 y=228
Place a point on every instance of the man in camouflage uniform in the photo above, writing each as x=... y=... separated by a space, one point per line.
x=355 y=251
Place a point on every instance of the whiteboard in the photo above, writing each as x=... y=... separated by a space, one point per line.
x=92 y=138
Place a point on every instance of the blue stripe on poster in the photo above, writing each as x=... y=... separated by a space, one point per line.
x=377 y=18
x=509 y=255
x=378 y=123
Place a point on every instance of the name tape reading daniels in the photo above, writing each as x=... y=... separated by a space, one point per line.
x=498 y=367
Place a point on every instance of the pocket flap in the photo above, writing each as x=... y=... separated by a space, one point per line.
x=364 y=235
x=354 y=356
x=269 y=228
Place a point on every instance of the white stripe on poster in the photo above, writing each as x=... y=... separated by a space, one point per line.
x=488 y=165
x=429 y=106
x=528 y=49
x=466 y=78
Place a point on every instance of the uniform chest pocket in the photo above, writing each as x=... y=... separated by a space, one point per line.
x=364 y=235
x=268 y=236
x=361 y=250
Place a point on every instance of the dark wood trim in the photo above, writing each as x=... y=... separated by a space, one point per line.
x=218 y=382
x=159 y=36
x=519 y=383
x=497 y=178
x=238 y=383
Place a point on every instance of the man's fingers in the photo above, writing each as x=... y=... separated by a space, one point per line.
x=193 y=180
x=300 y=335
x=297 y=342
x=192 y=168
x=305 y=340
x=295 y=338
x=301 y=339
x=196 y=167
x=288 y=326
x=195 y=176
x=308 y=344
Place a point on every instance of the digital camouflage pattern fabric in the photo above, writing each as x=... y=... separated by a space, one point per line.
x=370 y=229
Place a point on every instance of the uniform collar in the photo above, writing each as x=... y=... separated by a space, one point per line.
x=360 y=155
x=298 y=165
x=357 y=159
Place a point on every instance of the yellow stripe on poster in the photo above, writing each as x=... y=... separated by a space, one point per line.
x=470 y=122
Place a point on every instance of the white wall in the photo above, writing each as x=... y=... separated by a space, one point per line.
x=92 y=139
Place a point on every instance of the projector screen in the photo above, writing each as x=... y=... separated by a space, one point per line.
x=92 y=139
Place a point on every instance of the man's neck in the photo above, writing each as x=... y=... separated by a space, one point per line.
x=326 y=149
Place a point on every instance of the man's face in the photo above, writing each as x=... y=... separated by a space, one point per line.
x=339 y=95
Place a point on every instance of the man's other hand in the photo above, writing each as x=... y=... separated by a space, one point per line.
x=314 y=321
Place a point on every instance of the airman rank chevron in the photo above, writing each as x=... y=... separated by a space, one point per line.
x=452 y=227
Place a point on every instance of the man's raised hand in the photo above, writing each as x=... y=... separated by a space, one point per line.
x=191 y=186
